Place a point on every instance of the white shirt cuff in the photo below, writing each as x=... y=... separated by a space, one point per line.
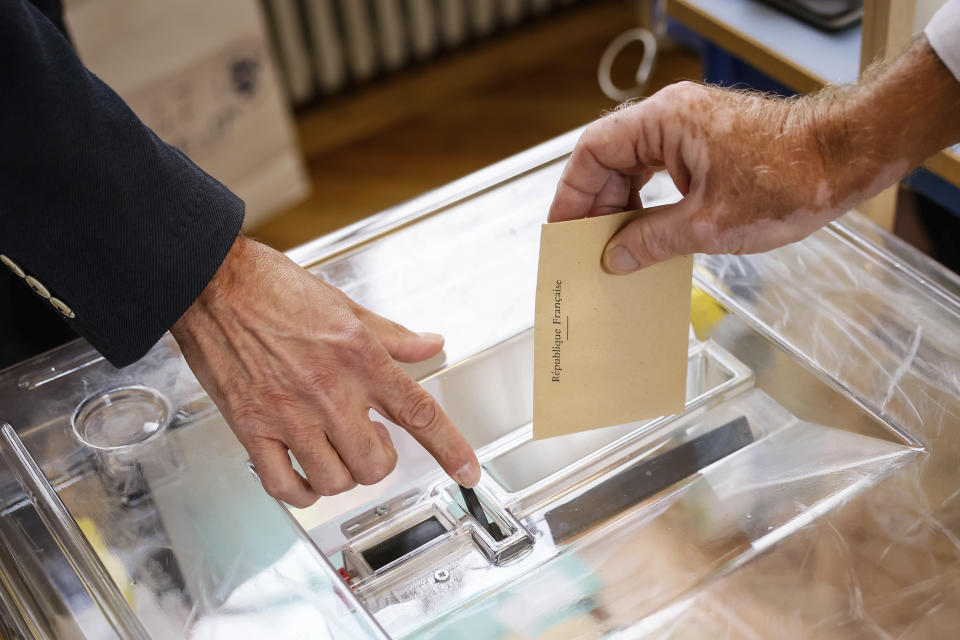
x=943 y=34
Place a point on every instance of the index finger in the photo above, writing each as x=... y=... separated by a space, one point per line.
x=606 y=152
x=407 y=404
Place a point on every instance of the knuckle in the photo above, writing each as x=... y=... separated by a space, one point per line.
x=368 y=474
x=594 y=136
x=278 y=401
x=245 y=413
x=420 y=411
x=359 y=349
x=684 y=92
x=589 y=131
x=318 y=377
x=300 y=433
x=352 y=334
x=336 y=485
x=704 y=235
x=251 y=428
x=365 y=444
x=647 y=244
x=277 y=486
x=669 y=93
x=686 y=89
x=256 y=414
x=376 y=468
x=327 y=476
x=356 y=333
x=373 y=472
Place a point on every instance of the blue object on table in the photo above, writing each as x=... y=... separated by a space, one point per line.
x=944 y=193
x=723 y=68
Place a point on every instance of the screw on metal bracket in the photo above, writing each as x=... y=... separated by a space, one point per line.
x=441 y=575
x=382 y=509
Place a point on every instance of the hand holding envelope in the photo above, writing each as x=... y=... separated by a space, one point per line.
x=608 y=349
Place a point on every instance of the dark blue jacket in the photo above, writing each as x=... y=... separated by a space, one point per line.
x=114 y=227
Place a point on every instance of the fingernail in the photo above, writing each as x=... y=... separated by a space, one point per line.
x=426 y=335
x=620 y=260
x=468 y=475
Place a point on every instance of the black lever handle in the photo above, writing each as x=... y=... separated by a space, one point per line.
x=476 y=510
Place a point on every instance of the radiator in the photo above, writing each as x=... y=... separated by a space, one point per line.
x=326 y=46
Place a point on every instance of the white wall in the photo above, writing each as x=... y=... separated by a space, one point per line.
x=925 y=11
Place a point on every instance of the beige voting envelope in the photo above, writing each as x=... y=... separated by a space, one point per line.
x=607 y=349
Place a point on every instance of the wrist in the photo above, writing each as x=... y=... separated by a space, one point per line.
x=218 y=290
x=822 y=161
x=903 y=112
x=866 y=135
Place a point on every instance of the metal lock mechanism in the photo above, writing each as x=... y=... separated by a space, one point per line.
x=412 y=524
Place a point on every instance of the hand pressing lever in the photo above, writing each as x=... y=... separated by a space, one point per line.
x=295 y=365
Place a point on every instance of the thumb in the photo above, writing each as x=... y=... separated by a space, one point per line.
x=658 y=234
x=401 y=343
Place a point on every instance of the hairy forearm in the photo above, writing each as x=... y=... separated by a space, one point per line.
x=873 y=133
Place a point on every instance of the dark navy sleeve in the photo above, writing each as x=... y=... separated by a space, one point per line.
x=118 y=230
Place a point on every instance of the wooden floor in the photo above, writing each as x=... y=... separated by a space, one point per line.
x=467 y=131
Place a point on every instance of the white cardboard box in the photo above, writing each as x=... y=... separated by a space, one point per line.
x=201 y=75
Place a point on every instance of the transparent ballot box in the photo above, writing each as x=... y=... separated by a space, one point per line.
x=808 y=489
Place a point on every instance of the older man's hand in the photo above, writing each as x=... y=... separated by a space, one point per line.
x=756 y=172
x=752 y=173
x=295 y=365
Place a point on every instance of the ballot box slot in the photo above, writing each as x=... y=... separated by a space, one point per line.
x=635 y=484
x=400 y=544
x=530 y=468
x=391 y=532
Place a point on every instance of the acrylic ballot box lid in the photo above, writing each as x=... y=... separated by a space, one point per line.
x=808 y=489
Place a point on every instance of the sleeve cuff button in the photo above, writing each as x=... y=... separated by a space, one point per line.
x=62 y=307
x=13 y=266
x=37 y=286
